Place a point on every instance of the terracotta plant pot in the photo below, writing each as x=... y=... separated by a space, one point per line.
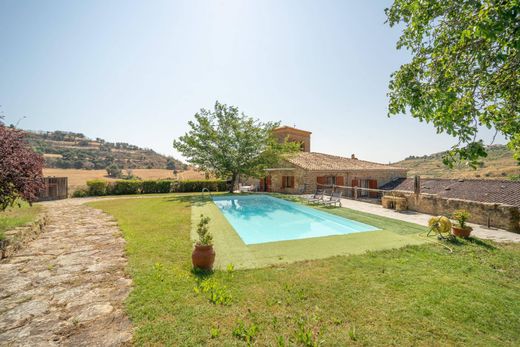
x=203 y=257
x=461 y=232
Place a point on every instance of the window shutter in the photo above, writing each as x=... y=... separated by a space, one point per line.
x=340 y=181
x=355 y=183
x=372 y=184
x=292 y=182
x=283 y=181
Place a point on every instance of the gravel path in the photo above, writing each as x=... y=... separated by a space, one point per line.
x=68 y=286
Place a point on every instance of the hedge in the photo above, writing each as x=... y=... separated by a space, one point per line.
x=156 y=186
x=101 y=187
x=197 y=186
x=121 y=187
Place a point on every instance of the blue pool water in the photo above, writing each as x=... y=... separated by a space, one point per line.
x=262 y=218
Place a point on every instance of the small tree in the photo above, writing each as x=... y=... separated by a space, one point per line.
x=113 y=170
x=227 y=143
x=205 y=237
x=170 y=164
x=20 y=168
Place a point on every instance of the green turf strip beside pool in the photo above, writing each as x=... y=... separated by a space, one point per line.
x=231 y=249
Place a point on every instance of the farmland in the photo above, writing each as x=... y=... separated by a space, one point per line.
x=78 y=178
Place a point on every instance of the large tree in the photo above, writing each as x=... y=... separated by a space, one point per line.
x=227 y=143
x=465 y=70
x=20 y=168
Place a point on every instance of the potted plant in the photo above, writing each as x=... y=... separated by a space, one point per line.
x=461 y=229
x=203 y=255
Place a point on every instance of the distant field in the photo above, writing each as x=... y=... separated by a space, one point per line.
x=78 y=178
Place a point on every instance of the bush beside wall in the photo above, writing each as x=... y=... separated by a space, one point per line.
x=120 y=187
x=97 y=187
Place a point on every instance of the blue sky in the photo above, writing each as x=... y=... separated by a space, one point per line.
x=137 y=71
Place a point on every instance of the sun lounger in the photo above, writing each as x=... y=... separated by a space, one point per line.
x=335 y=199
x=316 y=197
x=246 y=189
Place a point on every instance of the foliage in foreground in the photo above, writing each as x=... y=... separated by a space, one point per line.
x=464 y=71
x=228 y=143
x=20 y=168
x=418 y=295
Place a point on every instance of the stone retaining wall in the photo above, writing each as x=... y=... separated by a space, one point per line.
x=17 y=237
x=499 y=215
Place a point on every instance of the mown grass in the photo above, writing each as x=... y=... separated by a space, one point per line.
x=16 y=216
x=417 y=295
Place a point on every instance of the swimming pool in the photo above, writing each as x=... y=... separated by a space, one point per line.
x=262 y=218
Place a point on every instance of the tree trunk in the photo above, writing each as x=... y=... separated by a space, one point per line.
x=233 y=181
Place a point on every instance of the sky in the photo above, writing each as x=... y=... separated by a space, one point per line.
x=137 y=71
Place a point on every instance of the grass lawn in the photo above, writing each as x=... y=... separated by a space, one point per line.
x=16 y=216
x=416 y=295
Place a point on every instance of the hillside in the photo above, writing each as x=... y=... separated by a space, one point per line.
x=68 y=150
x=499 y=164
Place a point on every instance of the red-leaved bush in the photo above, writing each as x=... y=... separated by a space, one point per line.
x=20 y=168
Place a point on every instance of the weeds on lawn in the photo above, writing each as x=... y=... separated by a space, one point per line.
x=158 y=271
x=217 y=293
x=307 y=337
x=352 y=333
x=245 y=333
x=214 y=332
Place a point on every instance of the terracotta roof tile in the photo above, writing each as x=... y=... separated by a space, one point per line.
x=324 y=162
x=493 y=191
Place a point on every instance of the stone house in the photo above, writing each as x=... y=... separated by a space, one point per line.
x=307 y=170
x=294 y=135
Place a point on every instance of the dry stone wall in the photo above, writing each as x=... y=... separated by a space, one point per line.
x=497 y=215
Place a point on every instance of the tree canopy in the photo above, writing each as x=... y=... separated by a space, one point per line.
x=465 y=70
x=227 y=143
x=20 y=168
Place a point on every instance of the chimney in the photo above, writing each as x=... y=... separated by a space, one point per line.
x=353 y=156
x=417 y=185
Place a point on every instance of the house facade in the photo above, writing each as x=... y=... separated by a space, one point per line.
x=309 y=170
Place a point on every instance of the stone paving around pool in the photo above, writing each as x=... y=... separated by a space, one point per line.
x=68 y=286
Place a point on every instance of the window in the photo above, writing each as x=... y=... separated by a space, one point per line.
x=369 y=184
x=287 y=181
x=331 y=180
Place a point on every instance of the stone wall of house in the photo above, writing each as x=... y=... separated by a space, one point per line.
x=309 y=178
x=500 y=216
x=294 y=135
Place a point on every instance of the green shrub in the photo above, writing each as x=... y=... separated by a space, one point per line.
x=198 y=185
x=156 y=186
x=121 y=187
x=80 y=192
x=114 y=171
x=97 y=187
